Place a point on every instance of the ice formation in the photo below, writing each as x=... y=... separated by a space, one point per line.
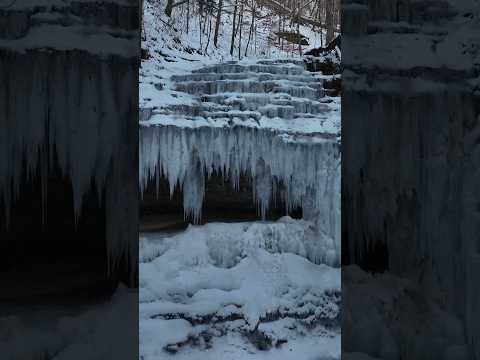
x=268 y=126
x=308 y=169
x=72 y=105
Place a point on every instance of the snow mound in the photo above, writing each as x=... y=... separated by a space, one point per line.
x=253 y=280
x=374 y=299
x=64 y=332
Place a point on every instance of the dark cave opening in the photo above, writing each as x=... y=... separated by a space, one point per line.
x=372 y=258
x=45 y=254
x=222 y=203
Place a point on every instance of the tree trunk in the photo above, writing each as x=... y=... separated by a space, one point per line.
x=188 y=16
x=329 y=21
x=217 y=24
x=232 y=44
x=240 y=23
x=169 y=8
x=142 y=26
x=209 y=34
x=251 y=29
x=299 y=40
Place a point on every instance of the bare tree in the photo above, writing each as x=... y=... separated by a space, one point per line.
x=217 y=24
x=171 y=4
x=252 y=26
x=232 y=44
x=240 y=24
x=329 y=16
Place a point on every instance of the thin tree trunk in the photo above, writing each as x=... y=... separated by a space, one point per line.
x=188 y=16
x=251 y=30
x=171 y=5
x=232 y=43
x=201 y=29
x=142 y=29
x=283 y=29
x=169 y=8
x=329 y=21
x=217 y=24
x=279 y=30
x=209 y=34
x=299 y=40
x=240 y=24
x=255 y=40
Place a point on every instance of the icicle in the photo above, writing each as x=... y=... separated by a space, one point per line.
x=86 y=142
x=308 y=169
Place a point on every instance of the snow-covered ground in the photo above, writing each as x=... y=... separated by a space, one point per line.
x=233 y=291
x=71 y=331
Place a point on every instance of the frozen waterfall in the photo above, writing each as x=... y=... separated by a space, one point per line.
x=301 y=166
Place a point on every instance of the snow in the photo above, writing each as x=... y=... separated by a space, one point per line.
x=375 y=299
x=71 y=331
x=233 y=279
x=233 y=347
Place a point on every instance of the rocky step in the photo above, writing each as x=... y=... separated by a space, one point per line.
x=214 y=87
x=298 y=62
x=258 y=68
x=282 y=112
x=256 y=101
x=284 y=109
x=263 y=113
x=262 y=77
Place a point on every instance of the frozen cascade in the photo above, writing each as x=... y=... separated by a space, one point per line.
x=274 y=151
x=308 y=168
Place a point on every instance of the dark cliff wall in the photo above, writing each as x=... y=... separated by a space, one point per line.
x=410 y=149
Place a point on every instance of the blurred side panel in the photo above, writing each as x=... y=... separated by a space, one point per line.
x=69 y=179
x=410 y=175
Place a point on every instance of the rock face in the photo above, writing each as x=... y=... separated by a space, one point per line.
x=67 y=69
x=410 y=161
